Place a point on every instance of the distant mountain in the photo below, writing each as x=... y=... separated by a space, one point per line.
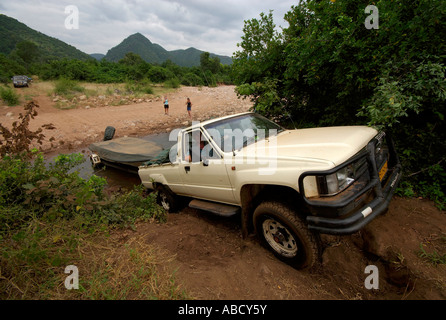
x=13 y=32
x=154 y=53
x=191 y=57
x=139 y=45
x=97 y=56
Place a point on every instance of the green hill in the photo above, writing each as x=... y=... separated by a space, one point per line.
x=154 y=53
x=139 y=45
x=13 y=32
x=191 y=57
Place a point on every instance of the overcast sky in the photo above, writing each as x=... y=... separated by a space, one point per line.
x=208 y=25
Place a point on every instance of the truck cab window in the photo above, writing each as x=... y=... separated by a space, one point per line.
x=197 y=147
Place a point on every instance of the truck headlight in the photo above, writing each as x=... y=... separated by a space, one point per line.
x=332 y=184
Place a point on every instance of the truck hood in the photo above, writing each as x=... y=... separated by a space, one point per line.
x=331 y=144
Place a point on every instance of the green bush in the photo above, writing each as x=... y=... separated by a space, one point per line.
x=172 y=83
x=191 y=79
x=139 y=87
x=47 y=213
x=9 y=96
x=158 y=74
x=65 y=87
x=52 y=192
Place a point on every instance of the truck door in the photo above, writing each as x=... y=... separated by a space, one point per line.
x=203 y=170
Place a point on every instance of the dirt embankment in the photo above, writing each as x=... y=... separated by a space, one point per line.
x=213 y=261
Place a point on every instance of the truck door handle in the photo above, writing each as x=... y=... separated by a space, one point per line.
x=187 y=169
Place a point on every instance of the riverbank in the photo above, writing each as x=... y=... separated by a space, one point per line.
x=84 y=118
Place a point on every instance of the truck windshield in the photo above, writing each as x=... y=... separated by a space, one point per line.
x=238 y=132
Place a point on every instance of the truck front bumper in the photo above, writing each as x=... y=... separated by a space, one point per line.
x=351 y=210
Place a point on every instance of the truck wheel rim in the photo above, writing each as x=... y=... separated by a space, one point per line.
x=279 y=238
x=164 y=203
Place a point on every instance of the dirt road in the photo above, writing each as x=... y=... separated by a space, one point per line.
x=212 y=260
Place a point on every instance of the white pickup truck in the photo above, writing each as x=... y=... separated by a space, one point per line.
x=287 y=185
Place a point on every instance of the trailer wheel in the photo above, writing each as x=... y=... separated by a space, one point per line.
x=283 y=232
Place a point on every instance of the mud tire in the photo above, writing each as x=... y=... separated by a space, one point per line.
x=167 y=199
x=282 y=231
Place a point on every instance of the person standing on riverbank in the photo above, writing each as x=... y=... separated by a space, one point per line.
x=166 y=106
x=189 y=107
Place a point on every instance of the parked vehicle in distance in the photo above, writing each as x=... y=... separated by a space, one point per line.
x=21 y=81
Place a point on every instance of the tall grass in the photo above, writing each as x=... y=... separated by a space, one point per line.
x=65 y=87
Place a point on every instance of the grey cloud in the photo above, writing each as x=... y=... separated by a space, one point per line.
x=214 y=26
